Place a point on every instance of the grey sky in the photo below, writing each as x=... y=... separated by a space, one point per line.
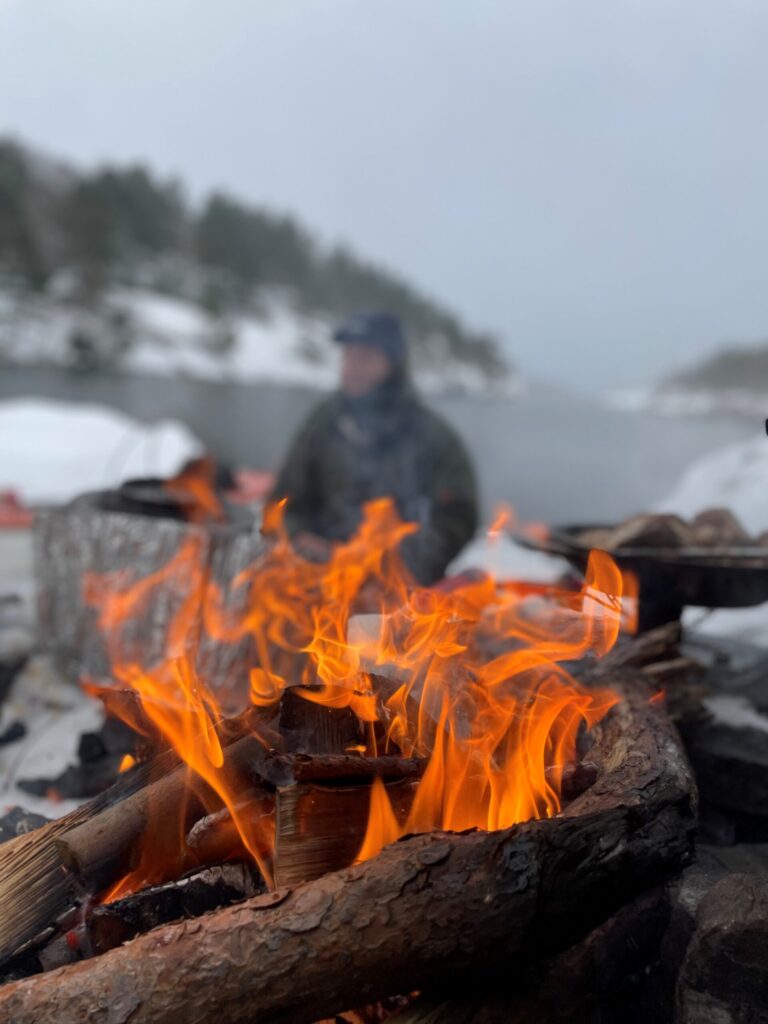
x=587 y=177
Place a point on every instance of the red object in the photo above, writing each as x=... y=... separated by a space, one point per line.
x=13 y=514
x=253 y=485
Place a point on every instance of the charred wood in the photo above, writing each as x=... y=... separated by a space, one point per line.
x=89 y=930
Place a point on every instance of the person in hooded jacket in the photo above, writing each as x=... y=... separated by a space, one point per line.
x=374 y=438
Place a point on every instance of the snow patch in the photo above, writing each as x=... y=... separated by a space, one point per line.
x=735 y=711
x=504 y=560
x=735 y=477
x=51 y=451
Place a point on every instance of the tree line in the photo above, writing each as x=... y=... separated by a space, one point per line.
x=123 y=224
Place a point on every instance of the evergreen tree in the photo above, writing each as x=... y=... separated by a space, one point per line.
x=20 y=250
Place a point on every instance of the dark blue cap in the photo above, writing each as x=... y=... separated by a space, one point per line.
x=380 y=330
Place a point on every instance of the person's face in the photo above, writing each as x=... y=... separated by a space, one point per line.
x=363 y=368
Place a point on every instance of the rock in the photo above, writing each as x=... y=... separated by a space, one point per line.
x=652 y=531
x=719 y=527
x=16 y=731
x=724 y=977
x=17 y=822
x=730 y=758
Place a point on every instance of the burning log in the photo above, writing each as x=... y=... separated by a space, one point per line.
x=36 y=888
x=424 y=908
x=97 y=849
x=112 y=924
x=353 y=767
x=308 y=726
x=321 y=817
x=89 y=931
x=321 y=828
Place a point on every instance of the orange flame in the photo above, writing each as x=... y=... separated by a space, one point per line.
x=127 y=762
x=504 y=519
x=473 y=673
x=194 y=488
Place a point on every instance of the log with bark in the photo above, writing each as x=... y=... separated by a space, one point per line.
x=426 y=907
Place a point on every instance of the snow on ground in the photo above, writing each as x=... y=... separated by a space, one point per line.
x=688 y=402
x=500 y=556
x=50 y=451
x=747 y=624
x=735 y=477
x=56 y=713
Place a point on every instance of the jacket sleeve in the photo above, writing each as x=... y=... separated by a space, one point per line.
x=452 y=514
x=298 y=478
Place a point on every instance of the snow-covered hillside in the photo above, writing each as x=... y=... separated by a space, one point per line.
x=141 y=331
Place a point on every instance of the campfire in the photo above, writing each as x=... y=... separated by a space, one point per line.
x=407 y=783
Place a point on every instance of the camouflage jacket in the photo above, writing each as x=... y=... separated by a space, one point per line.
x=351 y=451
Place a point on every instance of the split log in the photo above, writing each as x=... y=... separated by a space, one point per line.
x=321 y=813
x=423 y=909
x=34 y=886
x=321 y=828
x=309 y=727
x=112 y=924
